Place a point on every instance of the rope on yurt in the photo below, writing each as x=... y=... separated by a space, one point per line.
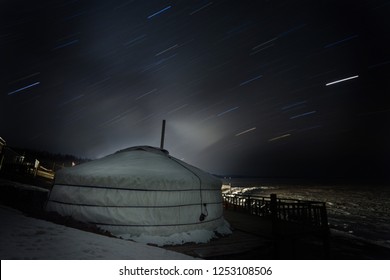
x=202 y=214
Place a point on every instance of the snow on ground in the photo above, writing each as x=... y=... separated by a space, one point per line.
x=195 y=236
x=21 y=186
x=23 y=237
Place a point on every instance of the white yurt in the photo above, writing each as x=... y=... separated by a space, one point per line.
x=141 y=192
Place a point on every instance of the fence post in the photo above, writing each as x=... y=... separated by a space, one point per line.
x=274 y=215
x=273 y=209
x=325 y=230
x=324 y=217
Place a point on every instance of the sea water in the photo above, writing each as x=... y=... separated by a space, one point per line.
x=362 y=211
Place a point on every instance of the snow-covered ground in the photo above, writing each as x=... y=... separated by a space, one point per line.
x=23 y=237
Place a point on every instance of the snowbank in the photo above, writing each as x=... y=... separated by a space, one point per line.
x=23 y=237
x=195 y=236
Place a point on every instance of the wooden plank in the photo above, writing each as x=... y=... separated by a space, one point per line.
x=226 y=249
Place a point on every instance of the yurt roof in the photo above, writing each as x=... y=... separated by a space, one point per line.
x=140 y=167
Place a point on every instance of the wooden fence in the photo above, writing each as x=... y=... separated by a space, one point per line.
x=309 y=213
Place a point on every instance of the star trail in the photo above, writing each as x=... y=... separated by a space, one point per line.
x=261 y=88
x=342 y=80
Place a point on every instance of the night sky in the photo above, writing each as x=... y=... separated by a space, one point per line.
x=245 y=86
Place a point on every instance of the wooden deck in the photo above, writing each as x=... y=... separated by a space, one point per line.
x=256 y=237
x=268 y=228
x=241 y=244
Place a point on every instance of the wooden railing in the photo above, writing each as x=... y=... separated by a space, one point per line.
x=310 y=213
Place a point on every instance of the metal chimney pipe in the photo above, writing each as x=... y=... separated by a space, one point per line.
x=162 y=135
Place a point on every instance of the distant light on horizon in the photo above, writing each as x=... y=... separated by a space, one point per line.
x=342 y=80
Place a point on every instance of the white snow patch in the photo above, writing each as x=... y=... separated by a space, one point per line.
x=18 y=185
x=195 y=236
x=23 y=237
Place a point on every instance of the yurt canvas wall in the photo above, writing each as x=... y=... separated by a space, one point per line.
x=139 y=191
